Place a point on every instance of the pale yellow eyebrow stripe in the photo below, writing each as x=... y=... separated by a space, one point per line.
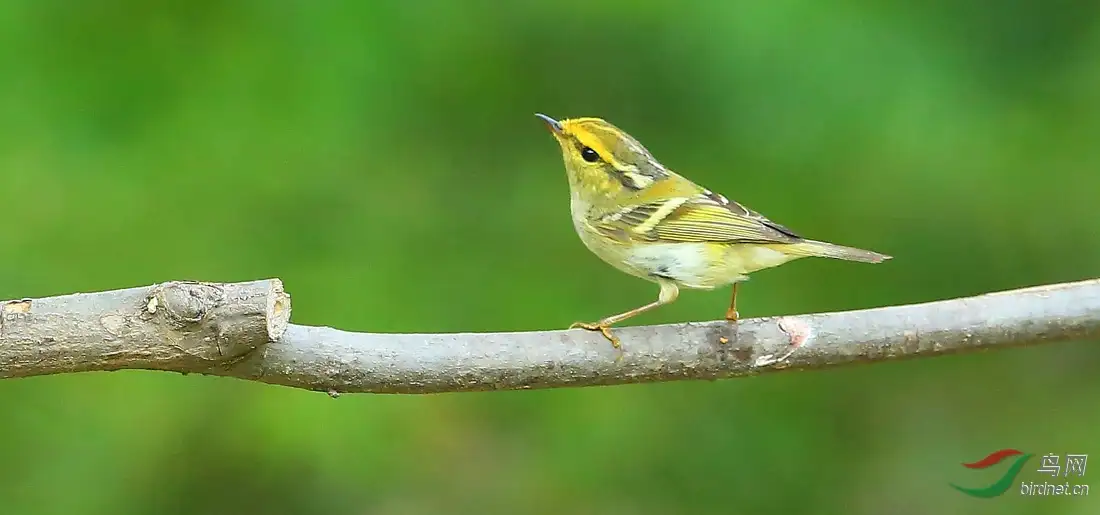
x=590 y=140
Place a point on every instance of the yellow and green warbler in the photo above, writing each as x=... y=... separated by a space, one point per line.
x=645 y=220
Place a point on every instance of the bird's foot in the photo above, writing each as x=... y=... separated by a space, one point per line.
x=604 y=329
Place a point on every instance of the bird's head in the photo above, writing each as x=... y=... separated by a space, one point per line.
x=601 y=159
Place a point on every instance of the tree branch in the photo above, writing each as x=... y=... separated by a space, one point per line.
x=241 y=330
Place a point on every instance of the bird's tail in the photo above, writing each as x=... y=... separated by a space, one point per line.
x=811 y=248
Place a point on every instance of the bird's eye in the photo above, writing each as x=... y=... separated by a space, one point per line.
x=589 y=155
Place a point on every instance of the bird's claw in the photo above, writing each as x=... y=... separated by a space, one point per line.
x=604 y=329
x=732 y=315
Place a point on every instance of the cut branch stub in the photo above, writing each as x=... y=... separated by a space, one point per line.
x=237 y=318
x=183 y=326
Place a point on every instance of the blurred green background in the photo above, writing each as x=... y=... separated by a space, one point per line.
x=382 y=158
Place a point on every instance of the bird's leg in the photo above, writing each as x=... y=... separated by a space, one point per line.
x=669 y=292
x=731 y=313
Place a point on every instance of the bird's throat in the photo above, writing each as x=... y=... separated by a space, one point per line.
x=595 y=187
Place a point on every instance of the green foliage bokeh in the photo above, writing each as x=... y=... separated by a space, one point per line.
x=382 y=158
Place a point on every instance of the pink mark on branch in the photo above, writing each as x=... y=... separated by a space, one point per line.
x=799 y=333
x=796 y=329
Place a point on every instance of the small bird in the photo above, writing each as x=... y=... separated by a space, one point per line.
x=644 y=219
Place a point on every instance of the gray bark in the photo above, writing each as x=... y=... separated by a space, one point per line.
x=241 y=330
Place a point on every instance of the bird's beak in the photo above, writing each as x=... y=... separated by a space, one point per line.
x=555 y=126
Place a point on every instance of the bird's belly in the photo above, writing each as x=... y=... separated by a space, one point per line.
x=703 y=265
x=694 y=265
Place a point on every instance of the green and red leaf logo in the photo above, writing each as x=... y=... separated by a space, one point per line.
x=1005 y=482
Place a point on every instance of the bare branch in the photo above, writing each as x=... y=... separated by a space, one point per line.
x=241 y=330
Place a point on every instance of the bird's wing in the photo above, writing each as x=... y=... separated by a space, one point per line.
x=703 y=217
